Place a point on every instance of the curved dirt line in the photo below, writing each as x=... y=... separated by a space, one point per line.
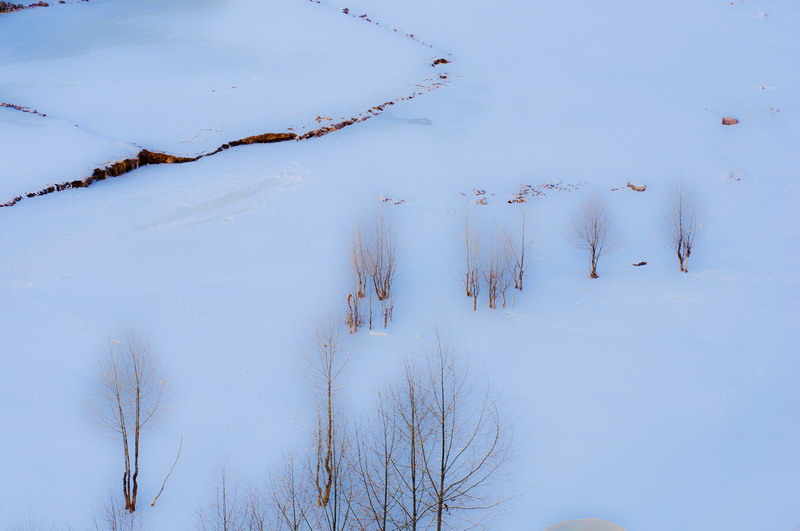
x=147 y=157
x=8 y=7
x=21 y=108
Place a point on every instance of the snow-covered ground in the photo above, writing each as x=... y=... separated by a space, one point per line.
x=650 y=398
x=186 y=77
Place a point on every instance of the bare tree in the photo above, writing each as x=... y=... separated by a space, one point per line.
x=684 y=224
x=381 y=257
x=408 y=459
x=353 y=316
x=472 y=275
x=387 y=307
x=358 y=261
x=517 y=248
x=592 y=231
x=497 y=274
x=256 y=511
x=475 y=286
x=129 y=402
x=360 y=287
x=226 y=510
x=377 y=445
x=112 y=518
x=291 y=498
x=373 y=259
x=331 y=469
x=333 y=476
x=466 y=447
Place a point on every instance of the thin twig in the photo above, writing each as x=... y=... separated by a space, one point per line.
x=168 y=473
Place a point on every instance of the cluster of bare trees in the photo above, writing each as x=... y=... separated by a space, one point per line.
x=429 y=457
x=373 y=258
x=492 y=268
x=496 y=269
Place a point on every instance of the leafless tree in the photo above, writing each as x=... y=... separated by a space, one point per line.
x=408 y=458
x=358 y=262
x=227 y=509
x=591 y=228
x=256 y=511
x=466 y=447
x=387 y=307
x=360 y=277
x=354 y=317
x=373 y=258
x=684 y=224
x=497 y=274
x=472 y=273
x=334 y=481
x=475 y=280
x=129 y=402
x=331 y=470
x=112 y=518
x=292 y=503
x=377 y=445
x=517 y=249
x=381 y=256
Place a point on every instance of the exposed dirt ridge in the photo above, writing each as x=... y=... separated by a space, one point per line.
x=366 y=18
x=21 y=108
x=146 y=157
x=8 y=7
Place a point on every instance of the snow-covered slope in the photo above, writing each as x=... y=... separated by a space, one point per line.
x=187 y=77
x=651 y=398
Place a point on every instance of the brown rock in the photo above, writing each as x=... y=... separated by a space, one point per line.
x=150 y=157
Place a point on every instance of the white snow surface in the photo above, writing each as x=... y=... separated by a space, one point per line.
x=187 y=76
x=590 y=524
x=38 y=151
x=650 y=398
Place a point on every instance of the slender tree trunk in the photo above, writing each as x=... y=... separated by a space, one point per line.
x=442 y=474
x=137 y=431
